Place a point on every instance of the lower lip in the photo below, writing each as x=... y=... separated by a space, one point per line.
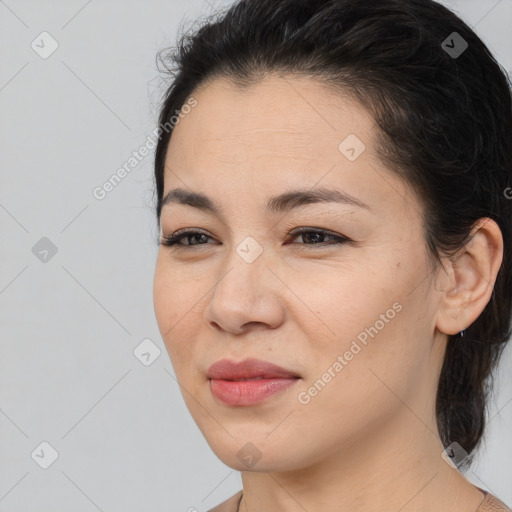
x=248 y=392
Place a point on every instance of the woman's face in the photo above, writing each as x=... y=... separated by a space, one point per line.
x=354 y=321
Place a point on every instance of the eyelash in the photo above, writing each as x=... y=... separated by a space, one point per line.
x=172 y=240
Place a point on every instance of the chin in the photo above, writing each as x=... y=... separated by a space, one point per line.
x=257 y=452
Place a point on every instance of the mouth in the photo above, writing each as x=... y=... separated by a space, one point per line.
x=248 y=369
x=252 y=378
x=248 y=382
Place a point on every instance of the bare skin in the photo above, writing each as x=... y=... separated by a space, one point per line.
x=368 y=440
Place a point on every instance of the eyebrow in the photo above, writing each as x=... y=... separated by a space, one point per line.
x=277 y=204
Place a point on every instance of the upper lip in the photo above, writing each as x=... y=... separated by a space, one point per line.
x=248 y=368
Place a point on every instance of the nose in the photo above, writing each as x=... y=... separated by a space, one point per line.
x=247 y=295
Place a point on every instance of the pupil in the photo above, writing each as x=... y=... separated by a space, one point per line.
x=195 y=237
x=314 y=236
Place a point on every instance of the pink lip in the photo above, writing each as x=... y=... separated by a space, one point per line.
x=270 y=380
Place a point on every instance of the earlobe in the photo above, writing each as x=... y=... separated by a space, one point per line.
x=470 y=278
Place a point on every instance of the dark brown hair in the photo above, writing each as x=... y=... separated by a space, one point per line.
x=445 y=126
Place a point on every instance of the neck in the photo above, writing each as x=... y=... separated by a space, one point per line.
x=398 y=467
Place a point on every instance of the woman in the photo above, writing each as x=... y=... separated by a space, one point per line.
x=333 y=283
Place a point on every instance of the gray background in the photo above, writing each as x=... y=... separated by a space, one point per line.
x=70 y=324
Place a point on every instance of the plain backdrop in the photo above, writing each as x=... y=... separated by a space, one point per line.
x=76 y=271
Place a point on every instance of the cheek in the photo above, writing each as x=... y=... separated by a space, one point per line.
x=366 y=318
x=163 y=300
x=173 y=293
x=354 y=385
x=377 y=350
x=173 y=307
x=347 y=301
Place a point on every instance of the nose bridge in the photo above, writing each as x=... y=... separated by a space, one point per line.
x=244 y=272
x=244 y=293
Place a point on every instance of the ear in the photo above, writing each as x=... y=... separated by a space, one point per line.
x=466 y=286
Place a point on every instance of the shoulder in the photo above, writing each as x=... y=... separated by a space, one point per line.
x=492 y=504
x=231 y=504
x=489 y=504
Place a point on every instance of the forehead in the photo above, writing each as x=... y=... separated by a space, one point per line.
x=270 y=126
x=278 y=131
x=275 y=109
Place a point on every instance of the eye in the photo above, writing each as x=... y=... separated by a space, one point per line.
x=175 y=238
x=313 y=235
